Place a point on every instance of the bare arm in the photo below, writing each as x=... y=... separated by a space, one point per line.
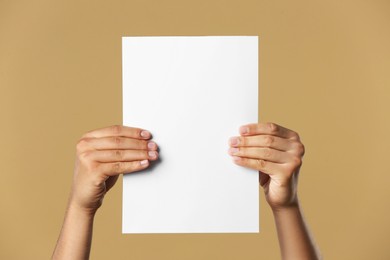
x=76 y=235
x=277 y=152
x=295 y=239
x=102 y=155
x=105 y=153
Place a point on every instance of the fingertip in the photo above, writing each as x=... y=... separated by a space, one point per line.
x=236 y=159
x=244 y=130
x=234 y=141
x=233 y=151
x=153 y=155
x=152 y=146
x=144 y=163
x=145 y=134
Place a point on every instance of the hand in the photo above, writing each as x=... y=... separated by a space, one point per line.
x=276 y=152
x=104 y=154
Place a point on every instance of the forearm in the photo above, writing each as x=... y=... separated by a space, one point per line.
x=294 y=236
x=76 y=235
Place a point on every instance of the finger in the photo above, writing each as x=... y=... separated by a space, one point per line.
x=117 y=142
x=271 y=141
x=258 y=164
x=262 y=153
x=116 y=168
x=268 y=129
x=106 y=156
x=119 y=130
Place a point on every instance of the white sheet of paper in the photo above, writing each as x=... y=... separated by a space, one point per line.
x=192 y=93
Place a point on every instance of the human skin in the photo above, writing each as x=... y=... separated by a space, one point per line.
x=277 y=152
x=103 y=154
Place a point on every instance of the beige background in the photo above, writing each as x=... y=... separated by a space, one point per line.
x=324 y=72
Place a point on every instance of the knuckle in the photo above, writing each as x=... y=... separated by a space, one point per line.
x=297 y=161
x=82 y=144
x=261 y=164
x=116 y=129
x=301 y=148
x=117 y=167
x=293 y=165
x=272 y=127
x=269 y=140
x=117 y=140
x=118 y=154
x=84 y=156
x=267 y=153
x=86 y=161
x=295 y=135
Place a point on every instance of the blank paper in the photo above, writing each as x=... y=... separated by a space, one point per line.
x=192 y=94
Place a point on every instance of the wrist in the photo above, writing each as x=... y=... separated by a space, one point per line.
x=293 y=206
x=75 y=209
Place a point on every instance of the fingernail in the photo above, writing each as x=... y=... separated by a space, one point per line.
x=233 y=151
x=234 y=141
x=145 y=133
x=236 y=158
x=144 y=162
x=244 y=130
x=152 y=154
x=151 y=145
